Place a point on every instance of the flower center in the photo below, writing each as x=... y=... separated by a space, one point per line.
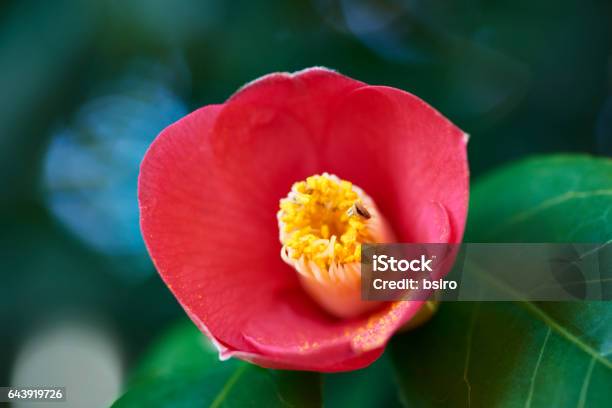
x=322 y=223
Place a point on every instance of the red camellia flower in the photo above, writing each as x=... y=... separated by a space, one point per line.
x=253 y=212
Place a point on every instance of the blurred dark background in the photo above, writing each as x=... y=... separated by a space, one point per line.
x=85 y=86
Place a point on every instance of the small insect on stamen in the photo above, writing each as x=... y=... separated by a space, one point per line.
x=359 y=209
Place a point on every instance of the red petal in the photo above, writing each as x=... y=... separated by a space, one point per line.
x=307 y=96
x=211 y=229
x=209 y=191
x=408 y=157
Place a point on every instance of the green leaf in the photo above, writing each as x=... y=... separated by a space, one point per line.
x=182 y=349
x=251 y=386
x=521 y=354
x=373 y=386
x=561 y=198
x=183 y=370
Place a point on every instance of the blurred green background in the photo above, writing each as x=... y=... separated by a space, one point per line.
x=87 y=85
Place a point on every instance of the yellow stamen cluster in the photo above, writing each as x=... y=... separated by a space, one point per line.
x=317 y=223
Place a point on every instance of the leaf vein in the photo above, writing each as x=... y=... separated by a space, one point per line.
x=535 y=371
x=551 y=202
x=228 y=387
x=468 y=353
x=567 y=334
x=549 y=321
x=585 y=384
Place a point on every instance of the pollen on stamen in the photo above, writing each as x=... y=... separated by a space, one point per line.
x=322 y=223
